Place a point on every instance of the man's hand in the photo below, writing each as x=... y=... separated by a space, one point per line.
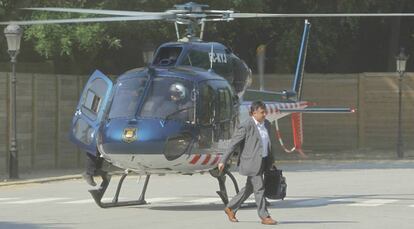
x=220 y=167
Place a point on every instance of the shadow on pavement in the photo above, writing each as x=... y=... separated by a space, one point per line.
x=294 y=202
x=323 y=165
x=308 y=202
x=194 y=207
x=315 y=222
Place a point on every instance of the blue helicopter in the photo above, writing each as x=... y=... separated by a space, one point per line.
x=177 y=115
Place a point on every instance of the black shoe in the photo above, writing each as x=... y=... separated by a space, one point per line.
x=89 y=179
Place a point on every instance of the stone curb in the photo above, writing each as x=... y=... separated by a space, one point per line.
x=39 y=180
x=301 y=162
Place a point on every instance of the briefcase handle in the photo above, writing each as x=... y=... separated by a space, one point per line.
x=273 y=167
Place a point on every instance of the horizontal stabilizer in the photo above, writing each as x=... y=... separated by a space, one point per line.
x=270 y=96
x=318 y=110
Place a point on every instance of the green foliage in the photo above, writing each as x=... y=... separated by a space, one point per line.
x=336 y=44
x=62 y=39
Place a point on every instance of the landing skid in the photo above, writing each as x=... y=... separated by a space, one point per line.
x=222 y=184
x=97 y=194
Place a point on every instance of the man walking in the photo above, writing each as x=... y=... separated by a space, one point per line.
x=255 y=157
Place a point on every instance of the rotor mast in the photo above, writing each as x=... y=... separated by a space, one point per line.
x=193 y=18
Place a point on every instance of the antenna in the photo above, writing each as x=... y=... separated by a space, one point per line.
x=203 y=24
x=177 y=31
x=211 y=54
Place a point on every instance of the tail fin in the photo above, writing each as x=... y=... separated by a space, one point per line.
x=300 y=66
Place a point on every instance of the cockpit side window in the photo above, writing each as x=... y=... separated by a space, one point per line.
x=167 y=56
x=197 y=58
x=202 y=59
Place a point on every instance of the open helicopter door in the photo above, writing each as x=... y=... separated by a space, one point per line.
x=90 y=110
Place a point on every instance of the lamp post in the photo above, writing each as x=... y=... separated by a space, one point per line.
x=401 y=60
x=13 y=34
x=261 y=56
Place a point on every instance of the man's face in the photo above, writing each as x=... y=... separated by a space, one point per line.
x=174 y=98
x=259 y=114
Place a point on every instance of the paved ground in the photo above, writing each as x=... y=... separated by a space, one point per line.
x=320 y=195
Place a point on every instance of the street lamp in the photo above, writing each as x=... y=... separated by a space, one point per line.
x=401 y=61
x=13 y=34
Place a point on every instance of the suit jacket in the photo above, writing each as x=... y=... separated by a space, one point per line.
x=247 y=137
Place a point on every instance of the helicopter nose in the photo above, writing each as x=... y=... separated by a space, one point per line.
x=144 y=136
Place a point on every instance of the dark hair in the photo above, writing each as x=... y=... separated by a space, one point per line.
x=256 y=105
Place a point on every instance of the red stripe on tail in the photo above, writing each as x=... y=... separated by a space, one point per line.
x=298 y=132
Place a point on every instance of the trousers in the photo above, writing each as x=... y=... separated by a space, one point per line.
x=255 y=185
x=93 y=164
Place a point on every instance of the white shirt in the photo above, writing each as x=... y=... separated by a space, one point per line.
x=264 y=136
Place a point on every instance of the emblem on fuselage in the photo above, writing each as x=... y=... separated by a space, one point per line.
x=129 y=135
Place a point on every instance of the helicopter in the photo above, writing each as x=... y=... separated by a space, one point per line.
x=177 y=115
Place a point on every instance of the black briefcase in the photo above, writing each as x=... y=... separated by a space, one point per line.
x=275 y=184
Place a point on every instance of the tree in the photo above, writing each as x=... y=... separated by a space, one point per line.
x=335 y=45
x=78 y=43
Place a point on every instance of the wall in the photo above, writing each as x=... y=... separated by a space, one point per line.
x=373 y=129
x=46 y=103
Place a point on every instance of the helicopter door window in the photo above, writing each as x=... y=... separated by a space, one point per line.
x=205 y=114
x=90 y=106
x=167 y=56
x=224 y=115
x=206 y=105
x=92 y=101
x=224 y=104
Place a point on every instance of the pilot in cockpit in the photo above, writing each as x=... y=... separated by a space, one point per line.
x=178 y=105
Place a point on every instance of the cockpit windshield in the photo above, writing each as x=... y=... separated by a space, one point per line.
x=127 y=96
x=169 y=98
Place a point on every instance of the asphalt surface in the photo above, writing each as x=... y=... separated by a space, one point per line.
x=320 y=195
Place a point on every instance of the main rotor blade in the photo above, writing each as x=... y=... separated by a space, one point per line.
x=254 y=15
x=104 y=12
x=85 y=20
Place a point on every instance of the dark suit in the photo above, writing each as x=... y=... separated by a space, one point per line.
x=251 y=163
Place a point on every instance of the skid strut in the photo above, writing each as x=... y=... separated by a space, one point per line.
x=97 y=194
